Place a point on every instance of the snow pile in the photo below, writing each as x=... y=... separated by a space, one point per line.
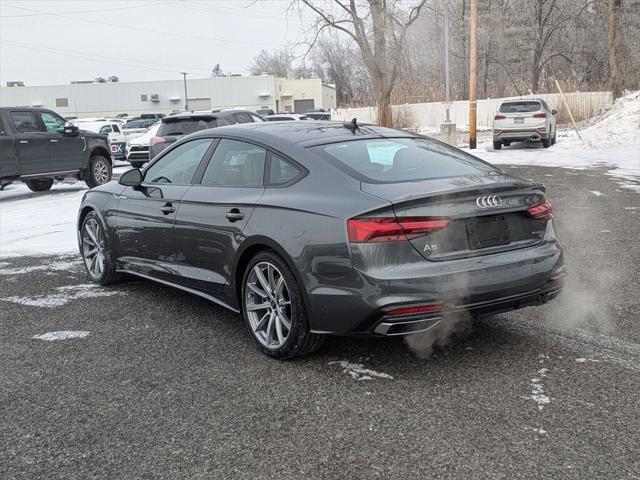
x=620 y=124
x=62 y=335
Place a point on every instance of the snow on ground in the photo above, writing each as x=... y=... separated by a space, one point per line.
x=610 y=140
x=62 y=335
x=358 y=372
x=62 y=296
x=41 y=225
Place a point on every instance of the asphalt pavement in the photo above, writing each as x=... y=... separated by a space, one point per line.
x=163 y=384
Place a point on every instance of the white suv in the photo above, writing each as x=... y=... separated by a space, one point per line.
x=524 y=120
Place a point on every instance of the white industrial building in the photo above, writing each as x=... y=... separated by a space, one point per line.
x=167 y=96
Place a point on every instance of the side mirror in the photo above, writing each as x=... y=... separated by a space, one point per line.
x=131 y=178
x=70 y=130
x=554 y=112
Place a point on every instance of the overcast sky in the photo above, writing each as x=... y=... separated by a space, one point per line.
x=44 y=42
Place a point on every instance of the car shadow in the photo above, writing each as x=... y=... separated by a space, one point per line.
x=7 y=195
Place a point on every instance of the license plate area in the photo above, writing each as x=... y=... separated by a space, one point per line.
x=488 y=231
x=518 y=120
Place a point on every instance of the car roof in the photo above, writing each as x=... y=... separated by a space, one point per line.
x=519 y=100
x=202 y=113
x=305 y=134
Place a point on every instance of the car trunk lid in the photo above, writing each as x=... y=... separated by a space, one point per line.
x=485 y=213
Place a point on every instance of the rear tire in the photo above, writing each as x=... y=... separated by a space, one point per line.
x=546 y=142
x=497 y=145
x=99 y=171
x=281 y=298
x=553 y=139
x=506 y=143
x=40 y=184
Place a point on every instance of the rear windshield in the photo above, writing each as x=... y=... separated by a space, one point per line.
x=393 y=160
x=519 y=107
x=185 y=126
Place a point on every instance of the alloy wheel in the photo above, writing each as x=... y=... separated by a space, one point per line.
x=101 y=172
x=93 y=248
x=268 y=305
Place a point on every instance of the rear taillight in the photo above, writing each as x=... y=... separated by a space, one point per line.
x=541 y=210
x=499 y=117
x=368 y=230
x=419 y=309
x=156 y=140
x=540 y=115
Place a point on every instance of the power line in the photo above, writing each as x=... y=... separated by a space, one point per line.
x=93 y=54
x=159 y=32
x=84 y=11
x=83 y=57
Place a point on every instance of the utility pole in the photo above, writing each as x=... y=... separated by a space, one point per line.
x=186 y=98
x=447 y=92
x=473 y=74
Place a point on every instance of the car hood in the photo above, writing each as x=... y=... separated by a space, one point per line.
x=90 y=134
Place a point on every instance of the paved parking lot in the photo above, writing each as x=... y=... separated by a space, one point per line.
x=162 y=384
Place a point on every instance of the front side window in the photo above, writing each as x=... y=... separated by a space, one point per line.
x=180 y=164
x=402 y=159
x=235 y=164
x=281 y=171
x=106 y=130
x=52 y=123
x=24 y=122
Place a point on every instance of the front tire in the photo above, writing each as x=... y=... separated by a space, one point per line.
x=274 y=310
x=497 y=144
x=95 y=251
x=40 y=184
x=99 y=171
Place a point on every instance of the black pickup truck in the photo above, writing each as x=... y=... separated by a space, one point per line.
x=37 y=146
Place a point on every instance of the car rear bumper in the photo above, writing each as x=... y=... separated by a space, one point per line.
x=521 y=134
x=479 y=285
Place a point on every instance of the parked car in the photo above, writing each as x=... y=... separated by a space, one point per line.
x=38 y=146
x=139 y=123
x=316 y=228
x=122 y=115
x=115 y=134
x=152 y=116
x=524 y=120
x=138 y=148
x=281 y=117
x=318 y=115
x=264 y=112
x=174 y=127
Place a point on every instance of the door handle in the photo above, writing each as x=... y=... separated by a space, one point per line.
x=234 y=215
x=167 y=209
x=24 y=141
x=53 y=140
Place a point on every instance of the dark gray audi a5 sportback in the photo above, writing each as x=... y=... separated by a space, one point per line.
x=326 y=228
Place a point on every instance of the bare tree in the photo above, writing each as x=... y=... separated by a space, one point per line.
x=615 y=83
x=279 y=63
x=379 y=28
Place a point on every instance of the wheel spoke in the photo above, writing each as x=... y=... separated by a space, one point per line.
x=262 y=322
x=256 y=290
x=258 y=306
x=91 y=252
x=91 y=233
x=270 y=329
x=284 y=320
x=271 y=278
x=264 y=283
x=279 y=330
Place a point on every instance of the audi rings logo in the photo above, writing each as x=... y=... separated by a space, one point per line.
x=489 y=201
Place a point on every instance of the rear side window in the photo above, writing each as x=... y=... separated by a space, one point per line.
x=281 y=171
x=244 y=118
x=185 y=126
x=25 y=122
x=519 y=107
x=394 y=160
x=235 y=164
x=3 y=131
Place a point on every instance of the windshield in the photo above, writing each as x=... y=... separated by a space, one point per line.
x=185 y=126
x=392 y=160
x=519 y=107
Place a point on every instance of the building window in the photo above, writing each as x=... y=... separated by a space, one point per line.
x=143 y=98
x=62 y=102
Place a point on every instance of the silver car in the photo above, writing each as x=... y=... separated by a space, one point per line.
x=524 y=120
